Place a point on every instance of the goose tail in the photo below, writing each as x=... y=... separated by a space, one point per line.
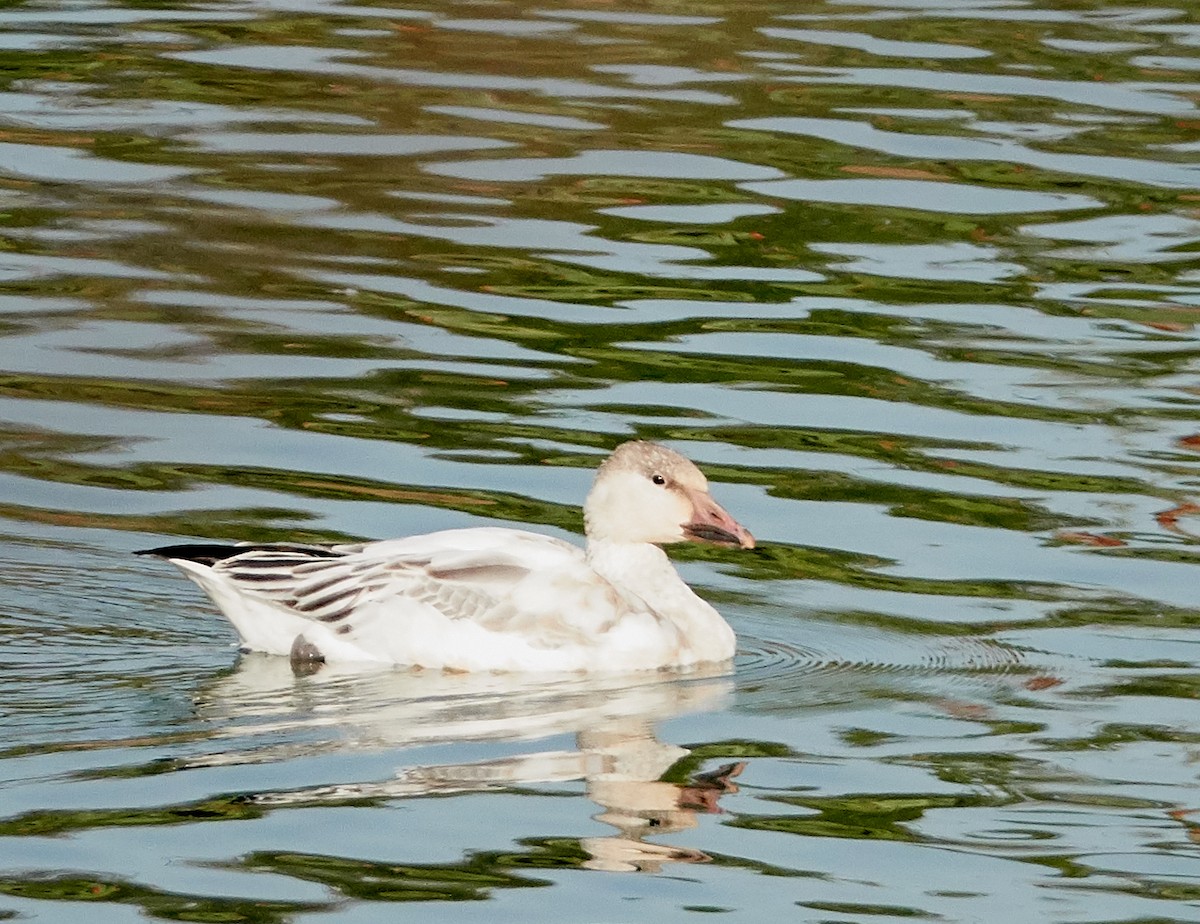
x=203 y=553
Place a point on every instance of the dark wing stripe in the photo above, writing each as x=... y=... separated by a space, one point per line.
x=260 y=577
x=315 y=588
x=335 y=616
x=343 y=597
x=326 y=584
x=307 y=603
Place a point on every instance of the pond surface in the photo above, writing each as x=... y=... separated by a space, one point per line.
x=917 y=283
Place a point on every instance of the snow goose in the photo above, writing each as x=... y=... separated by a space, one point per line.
x=492 y=598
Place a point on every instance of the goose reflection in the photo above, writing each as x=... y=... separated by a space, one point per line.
x=277 y=714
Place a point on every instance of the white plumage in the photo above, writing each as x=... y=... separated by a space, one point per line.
x=493 y=598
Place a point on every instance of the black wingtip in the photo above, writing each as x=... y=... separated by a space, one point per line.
x=205 y=553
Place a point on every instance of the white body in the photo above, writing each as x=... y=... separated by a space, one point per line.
x=473 y=599
x=494 y=599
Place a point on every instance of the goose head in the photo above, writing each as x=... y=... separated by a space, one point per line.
x=650 y=494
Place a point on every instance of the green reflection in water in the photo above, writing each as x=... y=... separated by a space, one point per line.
x=684 y=770
x=170 y=906
x=859 y=817
x=470 y=880
x=50 y=823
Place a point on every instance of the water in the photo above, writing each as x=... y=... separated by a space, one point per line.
x=915 y=281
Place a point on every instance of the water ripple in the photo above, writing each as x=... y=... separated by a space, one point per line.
x=787 y=665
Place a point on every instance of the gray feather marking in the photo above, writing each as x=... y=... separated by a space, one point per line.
x=487 y=572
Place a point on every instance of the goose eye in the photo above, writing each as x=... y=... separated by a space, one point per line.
x=658 y=479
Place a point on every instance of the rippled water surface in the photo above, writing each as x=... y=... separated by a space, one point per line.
x=915 y=281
